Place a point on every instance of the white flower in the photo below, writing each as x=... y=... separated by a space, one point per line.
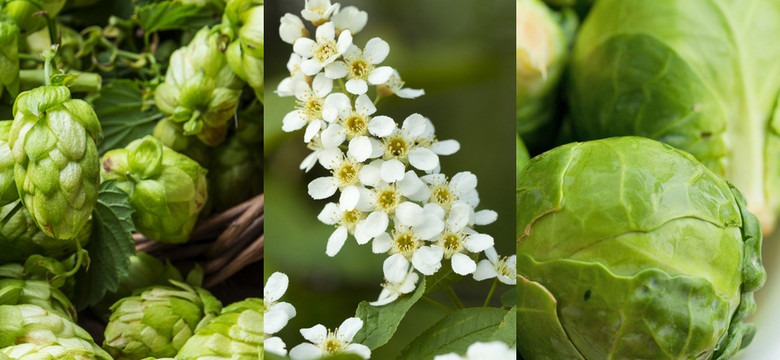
x=288 y=85
x=394 y=85
x=345 y=177
x=407 y=244
x=494 y=350
x=497 y=267
x=325 y=342
x=391 y=291
x=310 y=160
x=350 y=18
x=276 y=314
x=456 y=240
x=291 y=28
x=309 y=109
x=414 y=143
x=318 y=11
x=332 y=214
x=324 y=51
x=359 y=66
x=354 y=125
x=461 y=188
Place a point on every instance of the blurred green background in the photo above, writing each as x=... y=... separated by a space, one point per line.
x=462 y=54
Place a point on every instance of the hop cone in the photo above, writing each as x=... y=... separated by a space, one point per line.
x=172 y=135
x=200 y=91
x=236 y=173
x=145 y=271
x=157 y=322
x=8 y=191
x=43 y=352
x=9 y=58
x=20 y=237
x=166 y=189
x=57 y=165
x=245 y=54
x=16 y=289
x=24 y=12
x=34 y=325
x=237 y=333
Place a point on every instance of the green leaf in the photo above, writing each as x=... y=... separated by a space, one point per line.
x=509 y=298
x=442 y=278
x=123 y=114
x=169 y=15
x=110 y=246
x=380 y=322
x=460 y=329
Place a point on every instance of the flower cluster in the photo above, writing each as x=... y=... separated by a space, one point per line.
x=322 y=341
x=391 y=190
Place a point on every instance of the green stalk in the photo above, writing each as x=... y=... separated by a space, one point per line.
x=437 y=304
x=490 y=294
x=87 y=82
x=453 y=297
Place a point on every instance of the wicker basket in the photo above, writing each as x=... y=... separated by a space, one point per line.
x=222 y=244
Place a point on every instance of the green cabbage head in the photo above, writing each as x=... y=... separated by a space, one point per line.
x=693 y=74
x=631 y=249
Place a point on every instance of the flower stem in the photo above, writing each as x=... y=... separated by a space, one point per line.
x=453 y=297
x=437 y=304
x=87 y=81
x=490 y=294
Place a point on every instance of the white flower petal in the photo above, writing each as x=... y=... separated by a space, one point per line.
x=321 y=85
x=381 y=126
x=309 y=161
x=385 y=297
x=311 y=67
x=326 y=32
x=460 y=213
x=331 y=158
x=294 y=120
x=423 y=159
x=392 y=170
x=478 y=242
x=333 y=136
x=463 y=182
x=275 y=345
x=357 y=86
x=336 y=241
x=348 y=329
x=438 y=211
x=330 y=214
x=410 y=184
x=369 y=174
x=359 y=148
x=445 y=147
x=315 y=334
x=485 y=217
x=336 y=70
x=305 y=351
x=484 y=271
x=395 y=268
x=275 y=287
x=349 y=198
x=380 y=75
x=431 y=226
x=364 y=106
x=291 y=28
x=427 y=259
x=360 y=350
x=345 y=40
x=335 y=105
x=274 y=321
x=376 y=50
x=381 y=244
x=312 y=130
x=407 y=93
x=370 y=227
x=304 y=47
x=414 y=125
x=409 y=213
x=462 y=264
x=323 y=187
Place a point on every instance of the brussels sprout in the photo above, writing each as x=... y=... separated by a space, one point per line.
x=631 y=249
x=692 y=74
x=542 y=52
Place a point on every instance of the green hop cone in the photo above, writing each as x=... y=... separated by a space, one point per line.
x=145 y=271
x=236 y=333
x=236 y=174
x=41 y=352
x=34 y=325
x=53 y=141
x=8 y=191
x=158 y=321
x=245 y=53
x=20 y=237
x=9 y=58
x=16 y=287
x=26 y=13
x=200 y=90
x=167 y=190
x=172 y=135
